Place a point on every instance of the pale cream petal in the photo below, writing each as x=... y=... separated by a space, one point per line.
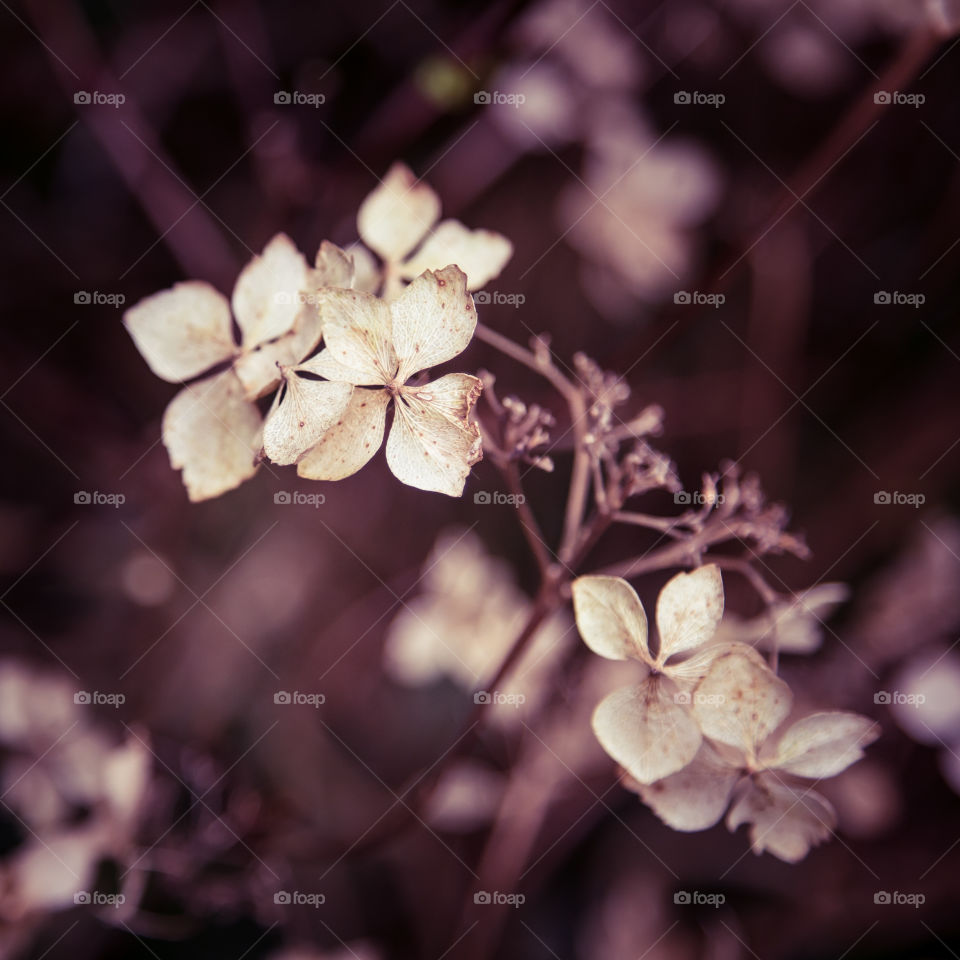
x=695 y=797
x=480 y=254
x=366 y=273
x=646 y=731
x=740 y=701
x=212 y=433
x=348 y=445
x=396 y=216
x=182 y=331
x=259 y=369
x=432 y=445
x=610 y=618
x=783 y=821
x=689 y=609
x=433 y=320
x=333 y=267
x=358 y=333
x=268 y=293
x=303 y=411
x=824 y=744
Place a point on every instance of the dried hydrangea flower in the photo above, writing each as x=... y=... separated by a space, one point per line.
x=212 y=428
x=398 y=221
x=378 y=347
x=649 y=729
x=750 y=756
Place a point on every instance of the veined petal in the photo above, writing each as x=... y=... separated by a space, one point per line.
x=212 y=433
x=646 y=731
x=357 y=330
x=432 y=445
x=695 y=797
x=182 y=331
x=333 y=267
x=740 y=701
x=396 y=216
x=610 y=618
x=267 y=295
x=350 y=443
x=824 y=744
x=366 y=273
x=433 y=320
x=259 y=369
x=783 y=821
x=689 y=609
x=301 y=414
x=480 y=254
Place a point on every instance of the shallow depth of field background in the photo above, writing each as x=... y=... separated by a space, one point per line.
x=618 y=196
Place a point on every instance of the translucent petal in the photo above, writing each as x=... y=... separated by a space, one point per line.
x=212 y=433
x=689 y=609
x=432 y=446
x=268 y=293
x=183 y=331
x=433 y=320
x=302 y=413
x=480 y=254
x=358 y=333
x=824 y=744
x=348 y=445
x=610 y=618
x=396 y=216
x=646 y=731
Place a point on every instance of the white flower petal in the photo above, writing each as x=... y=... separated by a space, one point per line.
x=823 y=744
x=480 y=254
x=689 y=609
x=366 y=273
x=267 y=295
x=347 y=446
x=740 y=701
x=212 y=433
x=783 y=821
x=259 y=369
x=396 y=216
x=301 y=414
x=358 y=333
x=695 y=797
x=646 y=732
x=333 y=267
x=610 y=618
x=433 y=320
x=182 y=331
x=432 y=445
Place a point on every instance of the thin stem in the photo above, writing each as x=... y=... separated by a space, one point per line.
x=526 y=519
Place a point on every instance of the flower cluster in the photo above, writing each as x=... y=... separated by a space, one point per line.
x=708 y=729
x=329 y=411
